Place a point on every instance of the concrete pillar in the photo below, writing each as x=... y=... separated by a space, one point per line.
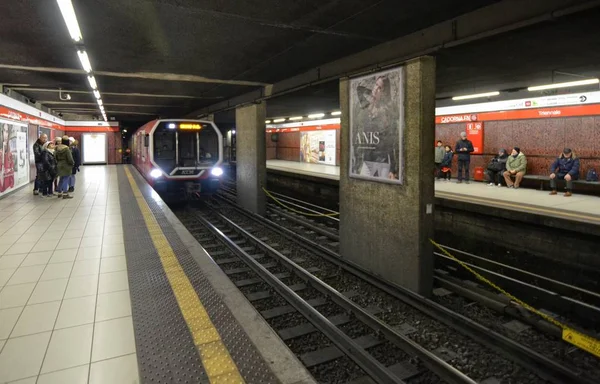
x=385 y=227
x=251 y=153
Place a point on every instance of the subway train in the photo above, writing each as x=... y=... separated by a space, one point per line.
x=180 y=159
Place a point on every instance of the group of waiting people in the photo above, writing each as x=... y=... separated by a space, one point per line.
x=504 y=165
x=56 y=164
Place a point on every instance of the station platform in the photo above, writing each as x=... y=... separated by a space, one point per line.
x=109 y=287
x=579 y=208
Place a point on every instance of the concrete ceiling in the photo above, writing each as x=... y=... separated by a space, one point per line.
x=168 y=58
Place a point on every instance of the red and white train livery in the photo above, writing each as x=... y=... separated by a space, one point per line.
x=180 y=159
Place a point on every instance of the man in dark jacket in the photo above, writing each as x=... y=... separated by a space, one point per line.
x=565 y=167
x=38 y=149
x=77 y=159
x=463 y=149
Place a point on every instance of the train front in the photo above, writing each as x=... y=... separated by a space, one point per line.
x=186 y=156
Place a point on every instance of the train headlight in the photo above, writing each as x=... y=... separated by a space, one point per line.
x=156 y=173
x=216 y=171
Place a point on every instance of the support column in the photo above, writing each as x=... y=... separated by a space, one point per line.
x=251 y=161
x=385 y=226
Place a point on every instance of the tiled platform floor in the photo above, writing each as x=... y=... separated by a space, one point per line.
x=65 y=312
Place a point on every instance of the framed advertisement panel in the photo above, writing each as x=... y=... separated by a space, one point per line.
x=376 y=126
x=14 y=163
x=318 y=147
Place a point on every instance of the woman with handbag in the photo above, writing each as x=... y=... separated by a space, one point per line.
x=496 y=168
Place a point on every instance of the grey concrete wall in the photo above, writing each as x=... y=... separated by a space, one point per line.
x=251 y=157
x=385 y=227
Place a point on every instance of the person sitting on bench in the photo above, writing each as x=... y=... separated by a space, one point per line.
x=565 y=167
x=516 y=166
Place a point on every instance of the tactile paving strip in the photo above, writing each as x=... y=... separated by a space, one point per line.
x=165 y=348
x=249 y=362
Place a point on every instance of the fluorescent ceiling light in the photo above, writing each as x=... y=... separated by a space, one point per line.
x=85 y=61
x=564 y=85
x=96 y=94
x=92 y=81
x=278 y=120
x=316 y=115
x=336 y=113
x=99 y=102
x=68 y=13
x=475 y=96
x=296 y=118
x=267 y=121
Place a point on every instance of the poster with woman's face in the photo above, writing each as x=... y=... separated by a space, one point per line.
x=376 y=123
x=14 y=171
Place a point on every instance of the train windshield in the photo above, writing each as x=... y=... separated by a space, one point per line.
x=185 y=145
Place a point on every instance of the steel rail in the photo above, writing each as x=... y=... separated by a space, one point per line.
x=361 y=357
x=544 y=367
x=430 y=360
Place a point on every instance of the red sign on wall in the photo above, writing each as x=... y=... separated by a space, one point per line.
x=475 y=134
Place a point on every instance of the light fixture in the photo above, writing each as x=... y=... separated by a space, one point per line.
x=296 y=118
x=278 y=120
x=68 y=14
x=336 y=113
x=124 y=131
x=85 y=61
x=92 y=81
x=96 y=93
x=316 y=115
x=156 y=173
x=267 y=121
x=216 y=171
x=233 y=131
x=476 y=96
x=99 y=101
x=171 y=126
x=564 y=85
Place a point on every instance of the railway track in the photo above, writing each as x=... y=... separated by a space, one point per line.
x=544 y=350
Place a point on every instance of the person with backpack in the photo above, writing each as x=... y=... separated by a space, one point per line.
x=446 y=165
x=64 y=160
x=496 y=168
x=565 y=167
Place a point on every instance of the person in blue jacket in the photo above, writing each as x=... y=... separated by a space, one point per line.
x=565 y=167
x=446 y=165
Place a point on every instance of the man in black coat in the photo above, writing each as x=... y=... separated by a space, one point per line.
x=463 y=149
x=77 y=160
x=38 y=149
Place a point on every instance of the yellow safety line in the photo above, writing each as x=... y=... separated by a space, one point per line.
x=516 y=207
x=296 y=211
x=569 y=335
x=217 y=362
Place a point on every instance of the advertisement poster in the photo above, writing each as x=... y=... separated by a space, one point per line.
x=376 y=123
x=317 y=147
x=94 y=148
x=14 y=167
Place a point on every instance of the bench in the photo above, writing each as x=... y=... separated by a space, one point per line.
x=543 y=178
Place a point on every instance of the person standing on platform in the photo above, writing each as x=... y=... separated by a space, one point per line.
x=49 y=169
x=37 y=155
x=446 y=166
x=516 y=166
x=464 y=148
x=77 y=159
x=64 y=160
x=496 y=168
x=565 y=167
x=440 y=151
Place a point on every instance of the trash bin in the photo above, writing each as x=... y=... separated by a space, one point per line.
x=479 y=176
